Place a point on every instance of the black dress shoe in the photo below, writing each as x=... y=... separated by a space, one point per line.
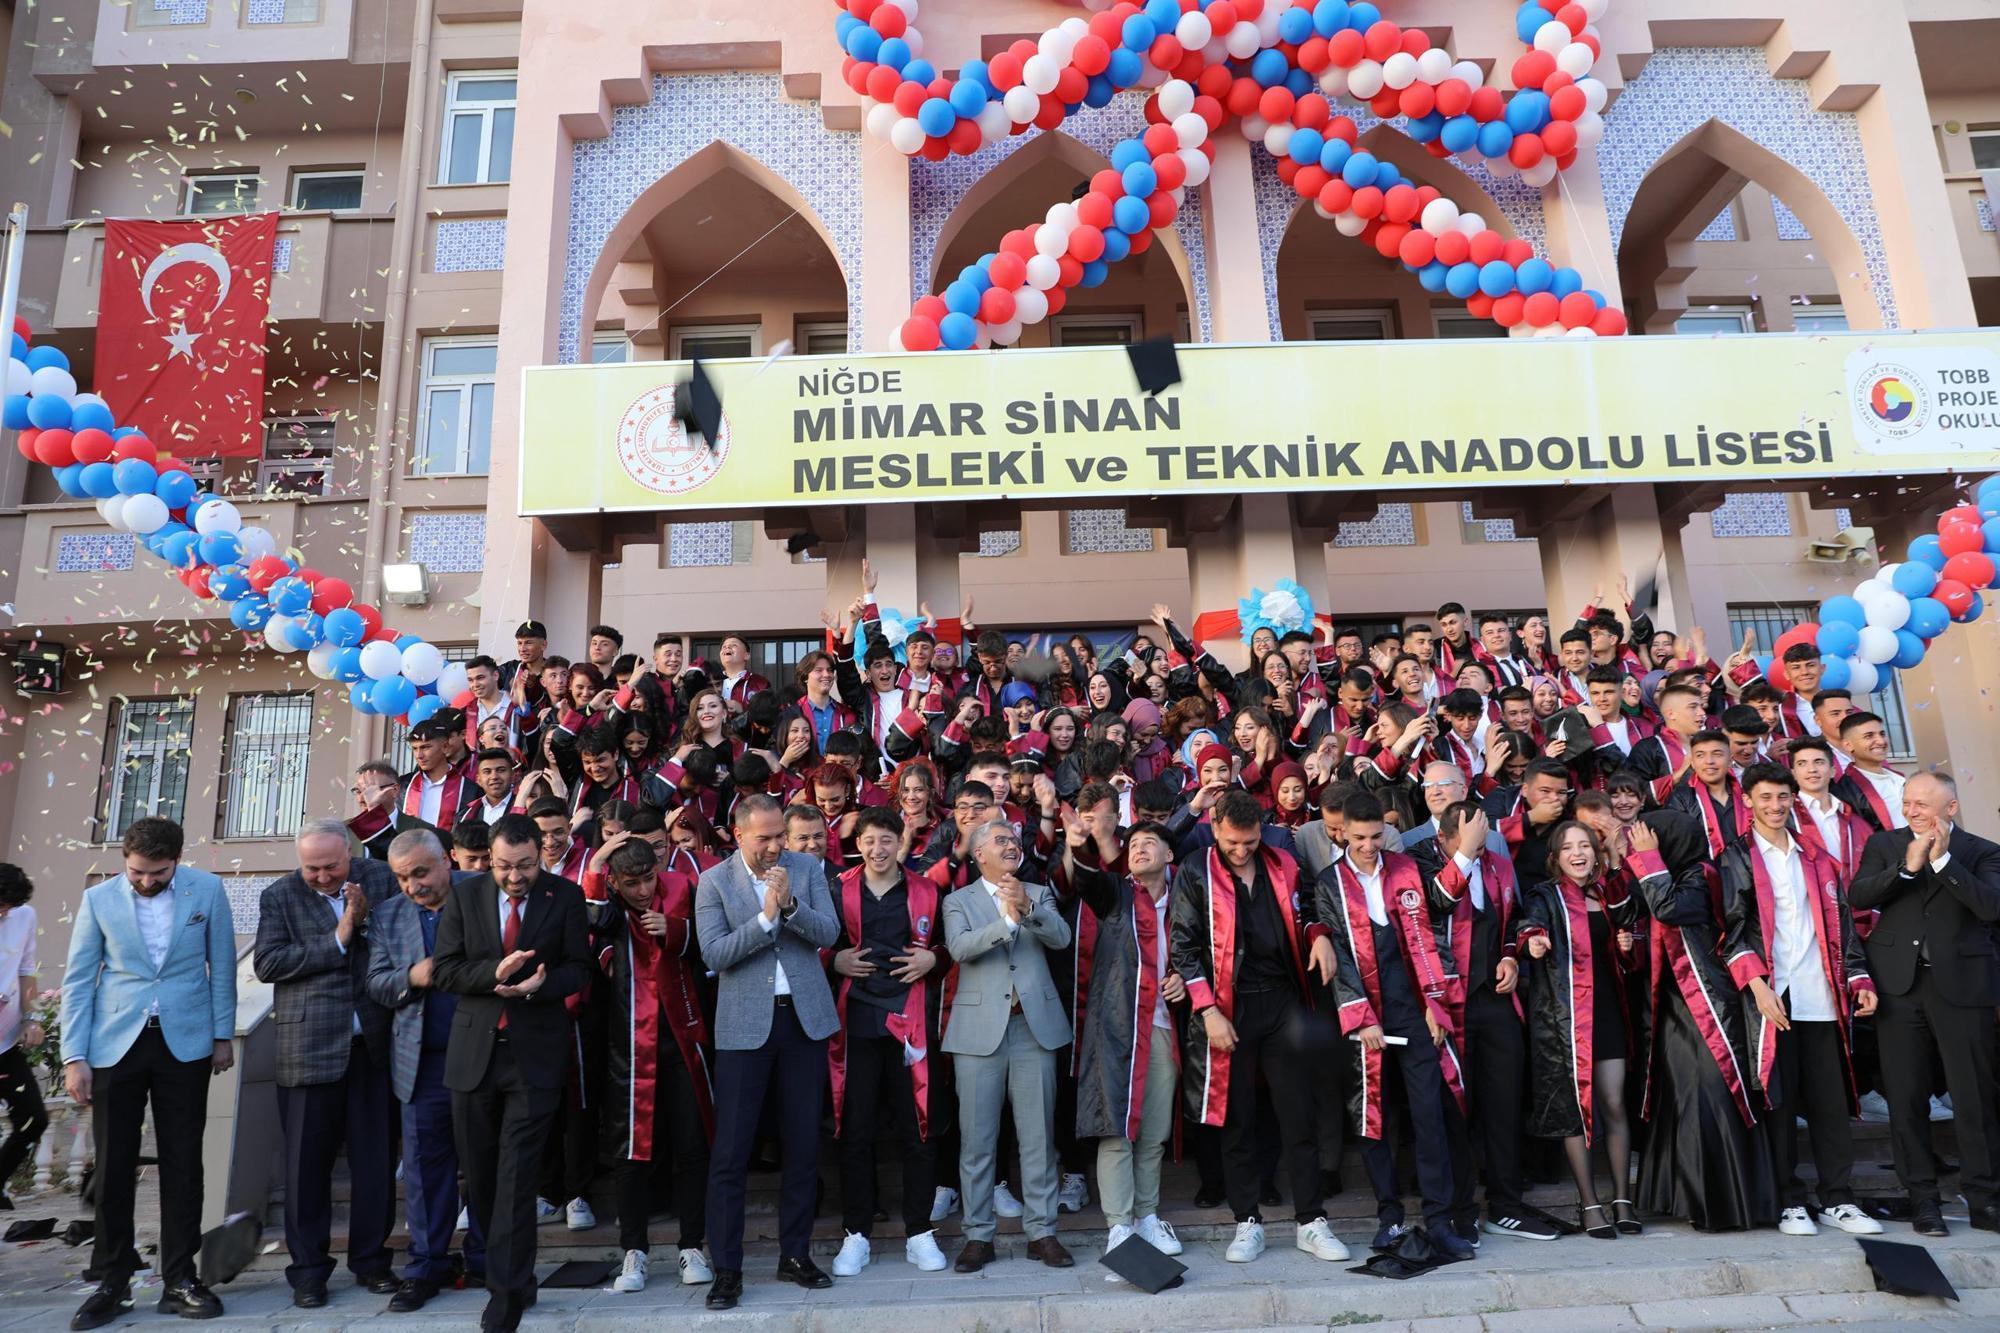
x=412 y=1294
x=501 y=1315
x=190 y=1300
x=1208 y=1198
x=1927 y=1219
x=383 y=1283
x=804 y=1272
x=726 y=1290
x=110 y=1300
x=975 y=1256
x=1987 y=1218
x=312 y=1296
x=473 y=1279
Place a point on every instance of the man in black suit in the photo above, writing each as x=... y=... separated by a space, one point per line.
x=1937 y=888
x=512 y=945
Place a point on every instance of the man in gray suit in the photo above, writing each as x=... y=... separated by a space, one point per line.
x=762 y=917
x=1444 y=785
x=1007 y=1023
x=402 y=936
x=333 y=1058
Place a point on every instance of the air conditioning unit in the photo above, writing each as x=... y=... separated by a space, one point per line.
x=1849 y=546
x=38 y=668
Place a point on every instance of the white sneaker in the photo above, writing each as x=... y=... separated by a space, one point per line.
x=944 y=1204
x=546 y=1211
x=1158 y=1234
x=1004 y=1202
x=922 y=1250
x=1317 y=1239
x=633 y=1276
x=1117 y=1236
x=1796 y=1222
x=464 y=1219
x=1941 y=1107
x=853 y=1257
x=1074 y=1195
x=577 y=1216
x=1849 y=1218
x=1874 y=1108
x=1249 y=1243
x=694 y=1269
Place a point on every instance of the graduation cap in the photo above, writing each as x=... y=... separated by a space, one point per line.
x=1568 y=724
x=1906 y=1270
x=698 y=407
x=1411 y=1255
x=801 y=542
x=581 y=1273
x=30 y=1228
x=1143 y=1266
x=80 y=1231
x=1155 y=364
x=229 y=1249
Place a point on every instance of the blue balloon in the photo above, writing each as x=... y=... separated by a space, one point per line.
x=1528 y=21
x=936 y=117
x=1295 y=26
x=1432 y=276
x=1913 y=578
x=1928 y=617
x=843 y=24
x=229 y=582
x=175 y=488
x=1527 y=111
x=1926 y=549
x=1972 y=612
x=1459 y=134
x=221 y=548
x=1141 y=180
x=309 y=629
x=895 y=53
x=1360 y=170
x=1837 y=638
x=1164 y=13
x=291 y=596
x=1909 y=650
x=1299 y=83
x=46 y=413
x=962 y=297
x=977 y=71
x=1099 y=91
x=1425 y=128
x=123 y=431
x=392 y=697
x=1117 y=245
x=919 y=71
x=69 y=479
x=91 y=416
x=45 y=355
x=958 y=331
x=1330 y=17
x=134 y=476
x=1990 y=531
x=1989 y=488
x=98 y=481
x=425 y=705
x=1834 y=673
x=18 y=348
x=1567 y=280
x=968 y=97
x=1333 y=155
x=1306 y=143
x=1094 y=274
x=346 y=664
x=1268 y=68
x=1128 y=153
x=14 y=412
x=863 y=43
x=1535 y=274
x=1139 y=33
x=1463 y=280
x=1844 y=609
x=1387 y=174
x=1131 y=216
x=1496 y=278
x=357 y=694
x=1495 y=138
x=1126 y=68
x=345 y=627
x=978 y=275
x=250 y=613
x=1362 y=17
x=179 y=551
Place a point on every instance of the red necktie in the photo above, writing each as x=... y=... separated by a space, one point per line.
x=509 y=937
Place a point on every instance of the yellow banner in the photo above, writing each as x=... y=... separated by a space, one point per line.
x=1283 y=417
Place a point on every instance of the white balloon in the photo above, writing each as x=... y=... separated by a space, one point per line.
x=1278 y=139
x=1006 y=335
x=1595 y=9
x=1575 y=60
x=1057 y=47
x=1061 y=215
x=1878 y=644
x=993 y=122
x=1434 y=66
x=451 y=681
x=1471 y=223
x=1039 y=74
x=1243 y=41
x=1044 y=271
x=217 y=516
x=1334 y=82
x=421 y=663
x=278 y=634
x=1580 y=331
x=906 y=136
x=1266 y=25
x=1589 y=129
x=1021 y=103
x=145 y=514
x=255 y=543
x=985 y=338
x=1215 y=52
x=52 y=382
x=1030 y=305
x=1440 y=216
x=1077 y=29
x=1862 y=676
x=319 y=659
x=1190 y=130
x=1889 y=612
x=1322 y=210
x=112 y=507
x=909 y=7
x=19 y=378
x=1365 y=79
x=1253 y=127
x=1176 y=98
x=1194 y=30
x=1052 y=241
x=881 y=119
x=1468 y=73
x=381 y=659
x=1552 y=37
x=1595 y=94
x=1198 y=165
x=84 y=399
x=1541 y=173
x=1349 y=224
x=915 y=40
x=1399 y=71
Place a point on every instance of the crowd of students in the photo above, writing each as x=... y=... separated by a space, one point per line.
x=1475 y=886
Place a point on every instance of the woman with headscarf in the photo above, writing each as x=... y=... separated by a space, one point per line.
x=1149 y=755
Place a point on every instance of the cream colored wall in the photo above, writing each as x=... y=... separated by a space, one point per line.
x=124 y=178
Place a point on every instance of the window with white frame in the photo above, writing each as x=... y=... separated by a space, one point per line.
x=1717 y=320
x=1986 y=149
x=713 y=342
x=1464 y=324
x=396 y=743
x=456 y=426
x=264 y=753
x=1338 y=326
x=213 y=196
x=1094 y=330
x=478 y=127
x=298 y=456
x=610 y=349
x=823 y=339
x=146 y=763
x=1819 y=319
x=329 y=191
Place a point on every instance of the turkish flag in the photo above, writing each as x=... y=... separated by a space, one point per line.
x=180 y=331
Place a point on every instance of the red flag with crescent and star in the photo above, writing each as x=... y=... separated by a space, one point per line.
x=181 y=330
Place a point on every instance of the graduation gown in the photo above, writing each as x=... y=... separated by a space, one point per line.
x=651 y=1012
x=922 y=1016
x=1561 y=1002
x=1113 y=1064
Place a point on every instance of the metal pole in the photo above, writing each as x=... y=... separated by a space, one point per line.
x=10 y=293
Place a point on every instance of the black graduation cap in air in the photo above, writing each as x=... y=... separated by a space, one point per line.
x=801 y=542
x=1906 y=1270
x=581 y=1273
x=1155 y=364
x=1143 y=1266
x=698 y=406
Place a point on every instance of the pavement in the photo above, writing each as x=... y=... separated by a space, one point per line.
x=1669 y=1278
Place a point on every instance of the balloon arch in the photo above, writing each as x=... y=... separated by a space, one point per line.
x=1277 y=68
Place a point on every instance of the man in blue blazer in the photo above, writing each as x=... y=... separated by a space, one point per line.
x=149 y=1011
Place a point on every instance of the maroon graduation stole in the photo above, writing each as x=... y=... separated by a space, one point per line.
x=1669 y=957
x=1148 y=939
x=1583 y=989
x=1711 y=818
x=448 y=799
x=1822 y=881
x=1873 y=795
x=1497 y=877
x=625 y=789
x=1221 y=981
x=663 y=987
x=911 y=1025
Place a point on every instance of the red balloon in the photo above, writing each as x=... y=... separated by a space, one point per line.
x=1071 y=85
x=1972 y=568
x=266 y=570
x=307 y=575
x=1453 y=97
x=1005 y=70
x=1275 y=105
x=1288 y=170
x=1160 y=141
x=52 y=447
x=1567 y=104
x=1953 y=538
x=931 y=308
x=1400 y=204
x=1389 y=238
x=883 y=83
x=25 y=441
x=1487 y=104
x=1479 y=305
x=331 y=595
x=1517 y=252
x=1092 y=55
x=1368 y=202
x=1559 y=138
x=965 y=138
x=1527 y=150
x=1509 y=310
x=1308 y=181
x=909 y=98
x=197 y=582
x=1416 y=100
x=1336 y=195
x=1578 y=310
x=1165 y=52
x=92 y=446
x=1160 y=209
x=1008 y=271
x=1533 y=69
x=996 y=305
x=135 y=446
x=1486 y=246
x=1170 y=171
x=1346 y=48
x=1454 y=247
x=1072 y=270
x=1957 y=598
x=1418 y=249
x=1094 y=211
x=1610 y=322
x=1959 y=514
x=1086 y=243
x=1804 y=633
x=1222 y=16
x=1542 y=309
x=1383 y=39
x=920 y=334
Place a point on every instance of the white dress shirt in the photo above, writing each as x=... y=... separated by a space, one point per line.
x=780 y=983
x=156 y=926
x=430 y=797
x=1793 y=940
x=337 y=902
x=993 y=891
x=1826 y=820
x=18 y=959
x=1371 y=889
x=1161 y=1019
x=1475 y=881
x=491 y=813
x=1889 y=783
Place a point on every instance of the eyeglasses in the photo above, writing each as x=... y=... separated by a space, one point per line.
x=1441 y=786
